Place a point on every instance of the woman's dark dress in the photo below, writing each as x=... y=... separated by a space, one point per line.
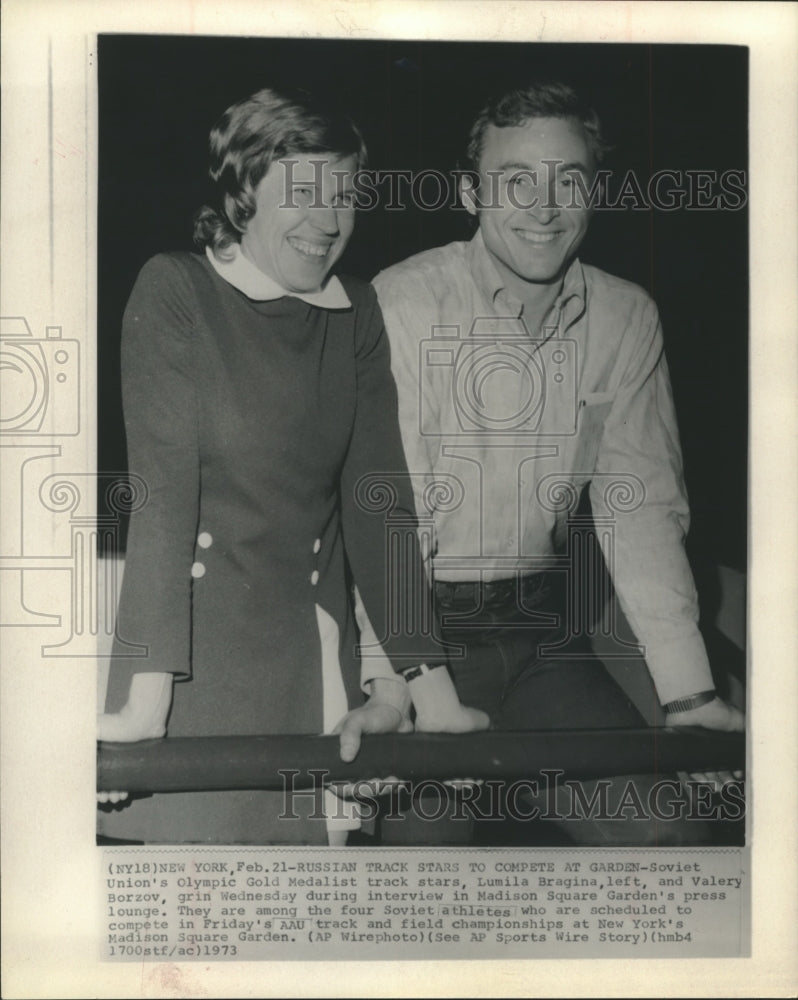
x=251 y=423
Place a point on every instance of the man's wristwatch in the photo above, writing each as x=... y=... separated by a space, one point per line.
x=692 y=701
x=412 y=672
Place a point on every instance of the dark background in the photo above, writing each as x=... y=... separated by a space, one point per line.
x=675 y=107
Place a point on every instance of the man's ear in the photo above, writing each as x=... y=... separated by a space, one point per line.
x=468 y=191
x=601 y=189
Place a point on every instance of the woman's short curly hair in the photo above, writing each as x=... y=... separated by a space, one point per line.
x=248 y=138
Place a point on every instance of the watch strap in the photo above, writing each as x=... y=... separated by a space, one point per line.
x=411 y=673
x=692 y=701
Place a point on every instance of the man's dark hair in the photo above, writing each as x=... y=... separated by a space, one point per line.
x=535 y=99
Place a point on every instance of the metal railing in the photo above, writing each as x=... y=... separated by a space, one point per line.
x=237 y=762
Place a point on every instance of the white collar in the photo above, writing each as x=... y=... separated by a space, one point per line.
x=243 y=275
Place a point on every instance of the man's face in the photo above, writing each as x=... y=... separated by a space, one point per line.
x=303 y=219
x=526 y=204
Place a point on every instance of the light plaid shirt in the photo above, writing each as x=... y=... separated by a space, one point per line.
x=502 y=427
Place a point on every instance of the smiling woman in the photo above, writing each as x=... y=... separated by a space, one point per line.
x=304 y=217
x=285 y=173
x=257 y=395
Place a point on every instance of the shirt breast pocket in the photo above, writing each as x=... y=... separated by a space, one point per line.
x=594 y=407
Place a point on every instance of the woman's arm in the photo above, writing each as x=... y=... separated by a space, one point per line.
x=409 y=638
x=144 y=714
x=142 y=717
x=159 y=396
x=392 y=583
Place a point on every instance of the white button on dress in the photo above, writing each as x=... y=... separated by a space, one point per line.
x=198 y=570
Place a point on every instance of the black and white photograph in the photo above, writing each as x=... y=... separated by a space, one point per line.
x=564 y=296
x=385 y=438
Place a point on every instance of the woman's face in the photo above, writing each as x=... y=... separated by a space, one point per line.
x=303 y=219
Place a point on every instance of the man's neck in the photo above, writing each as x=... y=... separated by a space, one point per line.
x=536 y=302
x=535 y=309
x=536 y=298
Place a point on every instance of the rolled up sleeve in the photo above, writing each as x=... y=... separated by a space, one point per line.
x=639 y=487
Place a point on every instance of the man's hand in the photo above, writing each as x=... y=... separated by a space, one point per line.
x=438 y=708
x=716 y=714
x=142 y=717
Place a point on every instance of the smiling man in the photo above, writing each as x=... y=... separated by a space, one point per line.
x=524 y=376
x=534 y=217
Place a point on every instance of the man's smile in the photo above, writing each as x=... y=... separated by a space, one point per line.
x=532 y=237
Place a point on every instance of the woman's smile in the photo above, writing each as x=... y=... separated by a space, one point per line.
x=303 y=220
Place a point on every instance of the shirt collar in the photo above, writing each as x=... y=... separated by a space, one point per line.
x=490 y=282
x=243 y=275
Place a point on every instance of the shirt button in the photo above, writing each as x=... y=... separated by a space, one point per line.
x=204 y=540
x=198 y=570
x=314 y=577
x=317 y=546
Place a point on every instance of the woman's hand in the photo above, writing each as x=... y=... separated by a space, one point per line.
x=386 y=711
x=142 y=717
x=716 y=714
